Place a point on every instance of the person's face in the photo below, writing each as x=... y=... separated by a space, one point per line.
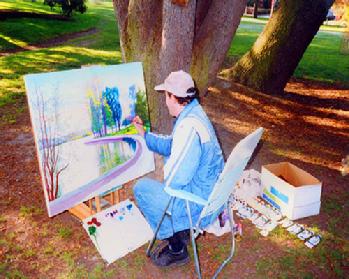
x=171 y=104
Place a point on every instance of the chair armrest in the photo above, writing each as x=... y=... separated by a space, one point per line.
x=185 y=195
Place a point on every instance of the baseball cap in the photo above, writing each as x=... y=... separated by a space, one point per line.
x=178 y=84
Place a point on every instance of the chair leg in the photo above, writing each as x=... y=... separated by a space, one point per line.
x=151 y=244
x=231 y=222
x=196 y=258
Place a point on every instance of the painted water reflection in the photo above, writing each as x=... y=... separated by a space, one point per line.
x=87 y=162
x=114 y=154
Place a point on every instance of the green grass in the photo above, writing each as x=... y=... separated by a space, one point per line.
x=322 y=61
x=99 y=48
x=26 y=6
x=29 y=211
x=329 y=253
x=65 y=232
x=20 y=32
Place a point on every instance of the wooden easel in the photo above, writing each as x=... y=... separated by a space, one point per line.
x=94 y=205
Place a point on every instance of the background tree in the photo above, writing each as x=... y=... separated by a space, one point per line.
x=276 y=53
x=68 y=6
x=255 y=8
x=192 y=35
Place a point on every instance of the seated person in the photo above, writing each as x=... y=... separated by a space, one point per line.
x=193 y=162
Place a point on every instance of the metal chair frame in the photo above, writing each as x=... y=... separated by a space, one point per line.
x=218 y=199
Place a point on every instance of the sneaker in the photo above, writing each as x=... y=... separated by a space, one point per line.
x=167 y=258
x=185 y=236
x=160 y=247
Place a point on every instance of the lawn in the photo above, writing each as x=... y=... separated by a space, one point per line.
x=322 y=61
x=101 y=47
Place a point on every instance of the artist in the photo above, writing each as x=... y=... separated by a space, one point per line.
x=193 y=162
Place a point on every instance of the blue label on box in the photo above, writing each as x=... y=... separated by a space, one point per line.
x=269 y=200
x=278 y=194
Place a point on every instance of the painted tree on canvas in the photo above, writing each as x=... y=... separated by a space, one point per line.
x=105 y=111
x=141 y=107
x=109 y=116
x=49 y=145
x=132 y=95
x=111 y=96
x=96 y=117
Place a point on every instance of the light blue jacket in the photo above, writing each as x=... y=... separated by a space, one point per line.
x=193 y=160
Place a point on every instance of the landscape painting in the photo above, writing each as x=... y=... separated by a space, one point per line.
x=82 y=127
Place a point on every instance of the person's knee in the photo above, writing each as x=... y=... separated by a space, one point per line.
x=140 y=187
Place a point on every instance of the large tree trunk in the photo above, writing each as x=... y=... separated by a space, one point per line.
x=276 y=53
x=167 y=37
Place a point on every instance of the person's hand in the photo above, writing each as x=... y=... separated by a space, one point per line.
x=138 y=123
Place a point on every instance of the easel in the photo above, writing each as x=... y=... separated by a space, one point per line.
x=96 y=204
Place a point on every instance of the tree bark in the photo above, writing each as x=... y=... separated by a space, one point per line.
x=276 y=53
x=167 y=37
x=211 y=43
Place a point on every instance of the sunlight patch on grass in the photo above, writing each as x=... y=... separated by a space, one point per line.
x=238 y=126
x=46 y=60
x=298 y=155
x=13 y=41
x=25 y=31
x=327 y=122
x=25 y=6
x=296 y=254
x=340 y=113
x=320 y=93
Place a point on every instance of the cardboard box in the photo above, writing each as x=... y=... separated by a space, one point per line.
x=294 y=191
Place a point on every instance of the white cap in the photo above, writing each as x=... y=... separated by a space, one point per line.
x=177 y=83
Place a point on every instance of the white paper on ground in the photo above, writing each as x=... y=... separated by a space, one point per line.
x=122 y=229
x=249 y=185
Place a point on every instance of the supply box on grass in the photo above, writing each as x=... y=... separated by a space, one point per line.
x=292 y=190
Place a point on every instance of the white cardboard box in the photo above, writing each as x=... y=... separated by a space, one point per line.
x=294 y=191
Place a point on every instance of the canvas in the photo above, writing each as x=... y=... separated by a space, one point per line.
x=82 y=127
x=118 y=230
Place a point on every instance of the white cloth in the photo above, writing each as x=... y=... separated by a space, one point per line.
x=249 y=185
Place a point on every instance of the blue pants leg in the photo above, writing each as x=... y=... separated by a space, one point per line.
x=152 y=201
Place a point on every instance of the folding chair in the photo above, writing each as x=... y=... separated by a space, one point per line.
x=219 y=197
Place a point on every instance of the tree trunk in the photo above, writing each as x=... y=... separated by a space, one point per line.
x=166 y=37
x=255 y=8
x=276 y=53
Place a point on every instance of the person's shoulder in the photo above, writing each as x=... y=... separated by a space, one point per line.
x=192 y=121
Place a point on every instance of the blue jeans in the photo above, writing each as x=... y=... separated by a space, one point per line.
x=152 y=201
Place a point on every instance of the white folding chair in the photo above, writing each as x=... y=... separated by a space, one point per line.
x=219 y=197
